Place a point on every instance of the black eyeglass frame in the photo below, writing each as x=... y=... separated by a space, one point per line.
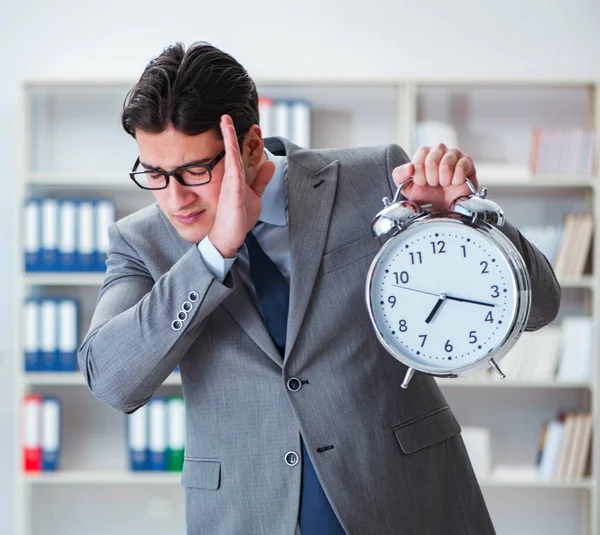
x=175 y=172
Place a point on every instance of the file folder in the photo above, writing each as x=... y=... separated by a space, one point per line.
x=50 y=437
x=49 y=235
x=32 y=341
x=49 y=334
x=137 y=438
x=67 y=336
x=32 y=448
x=67 y=235
x=33 y=244
x=85 y=236
x=176 y=433
x=105 y=215
x=157 y=412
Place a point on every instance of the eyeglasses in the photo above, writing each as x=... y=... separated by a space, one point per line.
x=195 y=174
x=187 y=175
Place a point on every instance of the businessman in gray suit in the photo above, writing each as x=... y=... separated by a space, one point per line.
x=249 y=273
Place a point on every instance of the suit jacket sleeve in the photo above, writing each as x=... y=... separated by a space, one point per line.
x=545 y=289
x=131 y=346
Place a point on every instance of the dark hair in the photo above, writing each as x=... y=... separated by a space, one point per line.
x=190 y=90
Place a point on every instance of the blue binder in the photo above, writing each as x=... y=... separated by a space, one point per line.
x=33 y=238
x=137 y=439
x=32 y=342
x=157 y=416
x=51 y=439
x=49 y=230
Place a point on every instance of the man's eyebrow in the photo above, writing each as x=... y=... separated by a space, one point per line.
x=150 y=167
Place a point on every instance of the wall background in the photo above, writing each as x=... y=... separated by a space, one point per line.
x=309 y=39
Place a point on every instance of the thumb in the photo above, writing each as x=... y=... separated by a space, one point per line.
x=263 y=177
x=403 y=173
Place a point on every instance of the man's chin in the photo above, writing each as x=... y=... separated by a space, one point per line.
x=191 y=235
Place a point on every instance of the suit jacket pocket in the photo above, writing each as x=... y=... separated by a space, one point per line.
x=350 y=253
x=426 y=430
x=201 y=473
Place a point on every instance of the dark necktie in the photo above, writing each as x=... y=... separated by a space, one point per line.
x=273 y=291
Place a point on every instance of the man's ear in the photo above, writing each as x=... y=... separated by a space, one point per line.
x=254 y=145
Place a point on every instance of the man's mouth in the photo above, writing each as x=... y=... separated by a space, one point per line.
x=187 y=219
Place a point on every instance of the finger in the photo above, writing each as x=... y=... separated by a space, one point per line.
x=432 y=164
x=402 y=173
x=234 y=170
x=447 y=166
x=263 y=177
x=418 y=162
x=464 y=168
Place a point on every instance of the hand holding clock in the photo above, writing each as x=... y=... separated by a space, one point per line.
x=439 y=176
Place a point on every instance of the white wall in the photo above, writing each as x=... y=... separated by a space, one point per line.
x=311 y=38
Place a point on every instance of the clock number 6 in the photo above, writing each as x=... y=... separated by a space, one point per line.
x=448 y=347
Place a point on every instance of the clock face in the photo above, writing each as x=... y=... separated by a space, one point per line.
x=442 y=295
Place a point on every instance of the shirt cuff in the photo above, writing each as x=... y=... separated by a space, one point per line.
x=218 y=265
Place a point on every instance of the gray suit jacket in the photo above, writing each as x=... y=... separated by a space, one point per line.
x=391 y=461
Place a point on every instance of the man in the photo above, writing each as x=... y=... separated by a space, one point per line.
x=295 y=422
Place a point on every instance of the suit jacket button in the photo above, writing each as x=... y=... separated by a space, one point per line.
x=294 y=384
x=291 y=458
x=187 y=306
x=193 y=297
x=177 y=325
x=182 y=315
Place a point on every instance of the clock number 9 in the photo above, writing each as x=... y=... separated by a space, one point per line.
x=392 y=300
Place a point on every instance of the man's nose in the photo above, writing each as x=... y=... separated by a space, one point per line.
x=179 y=195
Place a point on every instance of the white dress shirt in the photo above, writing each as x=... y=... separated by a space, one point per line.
x=272 y=231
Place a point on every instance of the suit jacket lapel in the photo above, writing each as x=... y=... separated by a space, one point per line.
x=311 y=186
x=242 y=308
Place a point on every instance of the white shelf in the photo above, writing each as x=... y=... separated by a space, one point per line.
x=74 y=379
x=583 y=484
x=586 y=281
x=508 y=383
x=64 y=279
x=81 y=181
x=170 y=478
x=103 y=478
x=368 y=112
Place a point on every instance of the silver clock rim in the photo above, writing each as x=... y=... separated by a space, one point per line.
x=522 y=296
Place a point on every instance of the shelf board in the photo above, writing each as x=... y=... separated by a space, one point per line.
x=98 y=477
x=74 y=379
x=583 y=484
x=81 y=181
x=585 y=281
x=64 y=279
x=540 y=182
x=511 y=383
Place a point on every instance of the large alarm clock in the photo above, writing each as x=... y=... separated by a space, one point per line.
x=448 y=293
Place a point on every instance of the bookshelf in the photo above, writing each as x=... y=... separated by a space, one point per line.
x=74 y=147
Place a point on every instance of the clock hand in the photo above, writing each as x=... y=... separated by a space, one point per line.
x=436 y=307
x=415 y=290
x=470 y=301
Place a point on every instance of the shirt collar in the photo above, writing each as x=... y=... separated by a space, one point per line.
x=273 y=211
